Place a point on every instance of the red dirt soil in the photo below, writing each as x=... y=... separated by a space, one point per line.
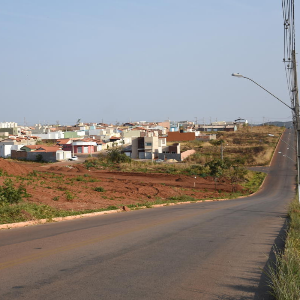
x=72 y=186
x=12 y=168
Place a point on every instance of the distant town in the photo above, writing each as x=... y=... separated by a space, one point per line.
x=138 y=140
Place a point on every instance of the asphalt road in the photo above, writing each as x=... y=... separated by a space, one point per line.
x=212 y=250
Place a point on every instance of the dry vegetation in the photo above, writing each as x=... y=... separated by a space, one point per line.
x=254 y=144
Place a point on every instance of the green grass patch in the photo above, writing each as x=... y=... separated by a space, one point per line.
x=284 y=274
x=182 y=198
x=254 y=180
x=30 y=211
x=99 y=189
x=70 y=196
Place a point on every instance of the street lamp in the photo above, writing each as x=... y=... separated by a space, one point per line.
x=241 y=76
x=295 y=111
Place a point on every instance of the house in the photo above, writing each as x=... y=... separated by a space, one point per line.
x=146 y=147
x=41 y=153
x=83 y=146
x=7 y=145
x=15 y=143
x=218 y=126
x=173 y=152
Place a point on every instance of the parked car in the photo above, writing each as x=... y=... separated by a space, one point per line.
x=73 y=158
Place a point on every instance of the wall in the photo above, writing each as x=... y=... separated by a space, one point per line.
x=18 y=154
x=134 y=153
x=206 y=137
x=11 y=131
x=70 y=134
x=5 y=150
x=164 y=156
x=187 y=153
x=51 y=136
x=63 y=155
x=84 y=149
x=47 y=156
x=94 y=132
x=178 y=157
x=181 y=137
x=132 y=133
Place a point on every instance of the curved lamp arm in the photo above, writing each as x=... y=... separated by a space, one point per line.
x=241 y=76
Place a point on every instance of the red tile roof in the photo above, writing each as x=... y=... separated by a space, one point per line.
x=49 y=149
x=63 y=141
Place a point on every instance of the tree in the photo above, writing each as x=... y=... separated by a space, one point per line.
x=216 y=168
x=236 y=172
x=114 y=155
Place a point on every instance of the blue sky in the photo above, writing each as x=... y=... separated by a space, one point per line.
x=132 y=60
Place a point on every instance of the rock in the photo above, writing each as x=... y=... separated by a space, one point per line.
x=179 y=179
x=125 y=208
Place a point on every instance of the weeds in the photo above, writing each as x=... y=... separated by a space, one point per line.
x=29 y=211
x=182 y=198
x=69 y=195
x=254 y=180
x=9 y=194
x=284 y=274
x=80 y=178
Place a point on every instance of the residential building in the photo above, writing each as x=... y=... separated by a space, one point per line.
x=41 y=153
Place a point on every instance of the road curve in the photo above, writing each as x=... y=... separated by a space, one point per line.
x=209 y=250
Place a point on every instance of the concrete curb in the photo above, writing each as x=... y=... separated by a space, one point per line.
x=58 y=219
x=106 y=212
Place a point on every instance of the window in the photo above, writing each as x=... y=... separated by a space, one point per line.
x=148 y=144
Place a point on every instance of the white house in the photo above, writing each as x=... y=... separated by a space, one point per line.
x=6 y=147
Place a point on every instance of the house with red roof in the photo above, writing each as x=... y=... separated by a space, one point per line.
x=41 y=153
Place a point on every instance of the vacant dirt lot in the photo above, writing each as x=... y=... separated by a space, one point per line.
x=72 y=187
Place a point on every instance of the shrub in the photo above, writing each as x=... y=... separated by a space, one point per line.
x=91 y=163
x=80 y=178
x=3 y=173
x=39 y=157
x=9 y=194
x=114 y=155
x=69 y=195
x=99 y=189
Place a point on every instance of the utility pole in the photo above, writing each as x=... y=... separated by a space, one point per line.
x=222 y=149
x=222 y=158
x=297 y=125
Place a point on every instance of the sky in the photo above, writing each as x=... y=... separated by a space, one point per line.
x=140 y=60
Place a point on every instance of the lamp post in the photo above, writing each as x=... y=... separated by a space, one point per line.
x=295 y=111
x=241 y=76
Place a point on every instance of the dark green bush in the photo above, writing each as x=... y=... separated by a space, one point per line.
x=9 y=194
x=99 y=189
